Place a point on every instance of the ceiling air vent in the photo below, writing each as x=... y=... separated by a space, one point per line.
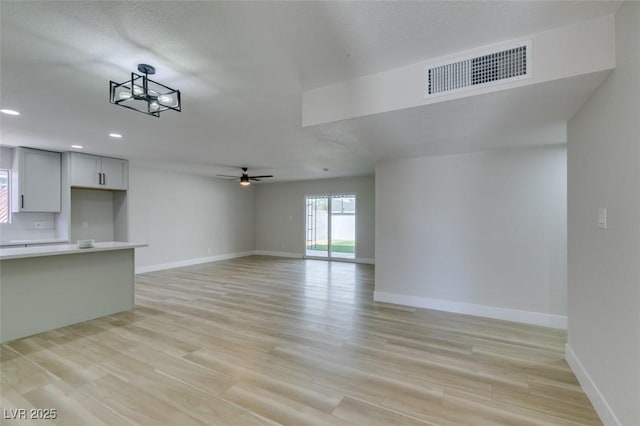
x=494 y=67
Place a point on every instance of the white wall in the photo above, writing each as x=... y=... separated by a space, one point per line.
x=91 y=215
x=481 y=233
x=187 y=219
x=6 y=157
x=280 y=214
x=604 y=265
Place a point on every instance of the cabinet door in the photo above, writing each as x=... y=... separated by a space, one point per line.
x=38 y=178
x=85 y=170
x=115 y=173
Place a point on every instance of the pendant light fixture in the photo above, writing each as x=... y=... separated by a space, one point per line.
x=144 y=95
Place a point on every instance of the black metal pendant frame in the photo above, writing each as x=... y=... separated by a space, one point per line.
x=142 y=102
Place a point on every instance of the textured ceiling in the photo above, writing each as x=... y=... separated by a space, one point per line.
x=242 y=66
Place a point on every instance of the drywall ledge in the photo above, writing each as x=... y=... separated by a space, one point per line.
x=527 y=317
x=559 y=53
x=598 y=401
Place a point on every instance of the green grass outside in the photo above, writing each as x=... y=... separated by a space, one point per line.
x=337 y=246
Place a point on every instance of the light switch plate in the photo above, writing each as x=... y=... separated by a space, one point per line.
x=602 y=218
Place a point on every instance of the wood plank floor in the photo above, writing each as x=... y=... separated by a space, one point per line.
x=263 y=340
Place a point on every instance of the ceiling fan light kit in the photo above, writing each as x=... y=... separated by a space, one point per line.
x=245 y=179
x=144 y=95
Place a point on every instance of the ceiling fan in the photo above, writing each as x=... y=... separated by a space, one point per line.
x=245 y=179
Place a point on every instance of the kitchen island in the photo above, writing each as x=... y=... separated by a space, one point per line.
x=46 y=287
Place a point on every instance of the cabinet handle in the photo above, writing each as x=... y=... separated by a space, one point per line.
x=104 y=178
x=99 y=178
x=22 y=201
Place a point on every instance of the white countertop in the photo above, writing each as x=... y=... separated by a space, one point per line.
x=39 y=251
x=30 y=242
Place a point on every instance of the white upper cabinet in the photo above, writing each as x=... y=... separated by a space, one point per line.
x=92 y=171
x=36 y=181
x=115 y=173
x=85 y=170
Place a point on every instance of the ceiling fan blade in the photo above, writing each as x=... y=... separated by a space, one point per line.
x=263 y=176
x=229 y=176
x=255 y=179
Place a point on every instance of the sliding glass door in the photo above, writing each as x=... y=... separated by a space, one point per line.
x=331 y=226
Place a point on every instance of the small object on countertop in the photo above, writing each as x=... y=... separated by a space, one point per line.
x=85 y=243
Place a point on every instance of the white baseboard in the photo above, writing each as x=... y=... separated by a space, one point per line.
x=278 y=254
x=300 y=256
x=189 y=262
x=600 y=404
x=527 y=317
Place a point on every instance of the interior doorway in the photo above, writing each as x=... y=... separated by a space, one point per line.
x=331 y=226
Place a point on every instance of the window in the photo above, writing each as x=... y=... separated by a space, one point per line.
x=4 y=196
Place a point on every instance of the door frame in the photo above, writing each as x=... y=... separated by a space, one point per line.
x=355 y=226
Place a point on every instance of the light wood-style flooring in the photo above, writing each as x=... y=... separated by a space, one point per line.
x=263 y=340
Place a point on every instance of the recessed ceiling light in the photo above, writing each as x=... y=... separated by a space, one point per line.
x=115 y=135
x=77 y=146
x=9 y=112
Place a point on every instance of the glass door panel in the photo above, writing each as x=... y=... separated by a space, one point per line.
x=317 y=228
x=343 y=226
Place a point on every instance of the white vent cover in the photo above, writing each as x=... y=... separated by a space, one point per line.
x=494 y=67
